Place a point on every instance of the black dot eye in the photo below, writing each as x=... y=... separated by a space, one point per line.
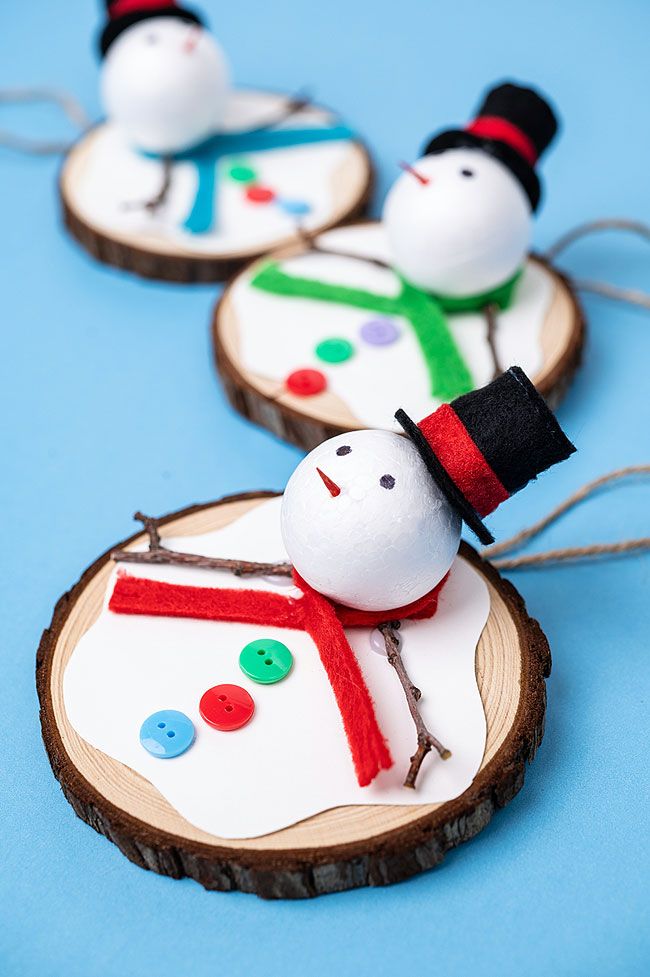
x=387 y=481
x=466 y=172
x=345 y=449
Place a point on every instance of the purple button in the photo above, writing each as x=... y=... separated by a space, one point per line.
x=379 y=332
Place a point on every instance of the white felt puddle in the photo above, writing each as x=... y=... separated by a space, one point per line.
x=279 y=334
x=292 y=759
x=113 y=175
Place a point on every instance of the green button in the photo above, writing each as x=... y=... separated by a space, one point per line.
x=242 y=173
x=266 y=661
x=334 y=350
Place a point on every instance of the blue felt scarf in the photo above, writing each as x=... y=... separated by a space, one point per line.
x=207 y=155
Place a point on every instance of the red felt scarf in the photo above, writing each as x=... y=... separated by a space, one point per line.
x=322 y=619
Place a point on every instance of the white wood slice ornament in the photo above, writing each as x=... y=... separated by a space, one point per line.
x=261 y=336
x=495 y=725
x=221 y=209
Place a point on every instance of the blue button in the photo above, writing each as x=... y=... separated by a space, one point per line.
x=379 y=332
x=297 y=208
x=167 y=733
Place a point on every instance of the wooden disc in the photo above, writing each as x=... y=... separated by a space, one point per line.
x=104 y=185
x=309 y=420
x=338 y=849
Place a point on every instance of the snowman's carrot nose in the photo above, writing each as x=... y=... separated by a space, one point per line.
x=331 y=486
x=424 y=180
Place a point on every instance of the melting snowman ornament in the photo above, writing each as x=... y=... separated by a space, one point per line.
x=189 y=177
x=371 y=524
x=430 y=303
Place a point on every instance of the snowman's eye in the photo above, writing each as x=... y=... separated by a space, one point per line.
x=345 y=449
x=387 y=481
x=466 y=172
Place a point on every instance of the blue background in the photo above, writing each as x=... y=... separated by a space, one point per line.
x=110 y=403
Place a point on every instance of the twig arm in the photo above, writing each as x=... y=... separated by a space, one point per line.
x=490 y=313
x=294 y=104
x=156 y=202
x=240 y=568
x=310 y=243
x=426 y=741
x=151 y=526
x=157 y=554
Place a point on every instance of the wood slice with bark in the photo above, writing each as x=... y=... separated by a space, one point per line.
x=339 y=849
x=129 y=210
x=262 y=396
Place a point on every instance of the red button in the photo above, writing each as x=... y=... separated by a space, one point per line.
x=226 y=707
x=306 y=383
x=260 y=195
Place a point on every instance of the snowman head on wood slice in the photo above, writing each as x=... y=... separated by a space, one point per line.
x=164 y=77
x=459 y=220
x=372 y=519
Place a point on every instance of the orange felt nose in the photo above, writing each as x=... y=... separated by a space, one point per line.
x=331 y=486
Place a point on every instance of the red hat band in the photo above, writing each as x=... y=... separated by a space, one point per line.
x=121 y=8
x=462 y=460
x=501 y=130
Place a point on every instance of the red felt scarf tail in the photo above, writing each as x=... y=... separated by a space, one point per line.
x=370 y=753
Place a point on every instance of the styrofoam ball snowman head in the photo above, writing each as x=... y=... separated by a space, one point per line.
x=465 y=230
x=364 y=523
x=165 y=82
x=459 y=222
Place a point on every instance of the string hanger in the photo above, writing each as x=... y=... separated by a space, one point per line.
x=74 y=111
x=569 y=554
x=631 y=295
x=69 y=105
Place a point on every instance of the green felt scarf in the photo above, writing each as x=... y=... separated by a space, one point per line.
x=448 y=372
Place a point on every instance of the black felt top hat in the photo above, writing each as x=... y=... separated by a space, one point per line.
x=488 y=444
x=125 y=13
x=514 y=124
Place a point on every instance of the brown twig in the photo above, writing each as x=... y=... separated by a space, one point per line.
x=311 y=244
x=151 y=526
x=294 y=104
x=158 y=554
x=490 y=313
x=155 y=203
x=426 y=740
